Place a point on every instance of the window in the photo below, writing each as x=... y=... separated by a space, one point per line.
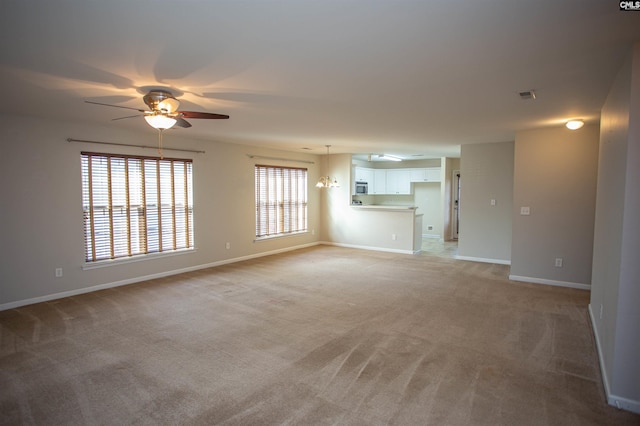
x=135 y=205
x=281 y=200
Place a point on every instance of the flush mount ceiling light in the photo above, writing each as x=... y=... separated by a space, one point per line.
x=327 y=181
x=574 y=124
x=389 y=157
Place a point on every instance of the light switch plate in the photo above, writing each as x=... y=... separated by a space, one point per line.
x=525 y=211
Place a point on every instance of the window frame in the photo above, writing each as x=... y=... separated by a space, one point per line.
x=131 y=190
x=276 y=216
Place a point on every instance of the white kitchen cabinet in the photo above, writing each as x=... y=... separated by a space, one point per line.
x=398 y=181
x=429 y=174
x=433 y=174
x=379 y=184
x=394 y=181
x=418 y=175
x=363 y=174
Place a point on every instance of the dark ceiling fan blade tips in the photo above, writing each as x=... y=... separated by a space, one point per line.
x=181 y=122
x=209 y=115
x=128 y=116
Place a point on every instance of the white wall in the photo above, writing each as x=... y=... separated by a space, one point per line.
x=615 y=289
x=555 y=176
x=41 y=212
x=486 y=174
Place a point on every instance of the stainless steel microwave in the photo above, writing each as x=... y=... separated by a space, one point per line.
x=362 y=188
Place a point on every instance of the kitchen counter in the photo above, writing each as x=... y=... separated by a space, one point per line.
x=384 y=227
x=384 y=207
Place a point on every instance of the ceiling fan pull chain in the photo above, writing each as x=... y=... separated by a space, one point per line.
x=160 y=144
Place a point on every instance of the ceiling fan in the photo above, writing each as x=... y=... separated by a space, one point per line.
x=163 y=111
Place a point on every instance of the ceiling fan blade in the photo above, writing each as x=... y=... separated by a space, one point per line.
x=128 y=116
x=115 y=106
x=195 y=114
x=181 y=122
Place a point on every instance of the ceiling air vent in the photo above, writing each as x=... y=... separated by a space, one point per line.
x=529 y=94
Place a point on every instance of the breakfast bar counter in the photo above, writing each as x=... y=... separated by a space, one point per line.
x=386 y=227
x=408 y=209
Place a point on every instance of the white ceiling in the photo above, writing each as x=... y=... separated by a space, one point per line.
x=399 y=77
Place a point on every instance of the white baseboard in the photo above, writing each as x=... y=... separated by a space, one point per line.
x=624 y=403
x=550 y=282
x=60 y=295
x=616 y=401
x=355 y=246
x=603 y=372
x=483 y=260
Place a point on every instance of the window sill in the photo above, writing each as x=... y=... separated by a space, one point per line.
x=134 y=259
x=275 y=237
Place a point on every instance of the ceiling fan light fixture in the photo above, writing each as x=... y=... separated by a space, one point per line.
x=574 y=124
x=160 y=121
x=169 y=105
x=163 y=111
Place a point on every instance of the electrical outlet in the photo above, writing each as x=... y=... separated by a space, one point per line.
x=430 y=228
x=313 y=232
x=227 y=246
x=394 y=237
x=525 y=211
x=493 y=201
x=58 y=272
x=558 y=262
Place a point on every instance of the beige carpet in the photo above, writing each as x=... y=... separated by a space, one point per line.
x=324 y=335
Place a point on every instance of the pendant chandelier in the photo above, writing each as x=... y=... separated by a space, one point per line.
x=327 y=181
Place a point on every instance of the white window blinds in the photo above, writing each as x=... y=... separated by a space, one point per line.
x=135 y=205
x=281 y=200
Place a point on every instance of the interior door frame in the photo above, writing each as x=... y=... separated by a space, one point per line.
x=455 y=204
